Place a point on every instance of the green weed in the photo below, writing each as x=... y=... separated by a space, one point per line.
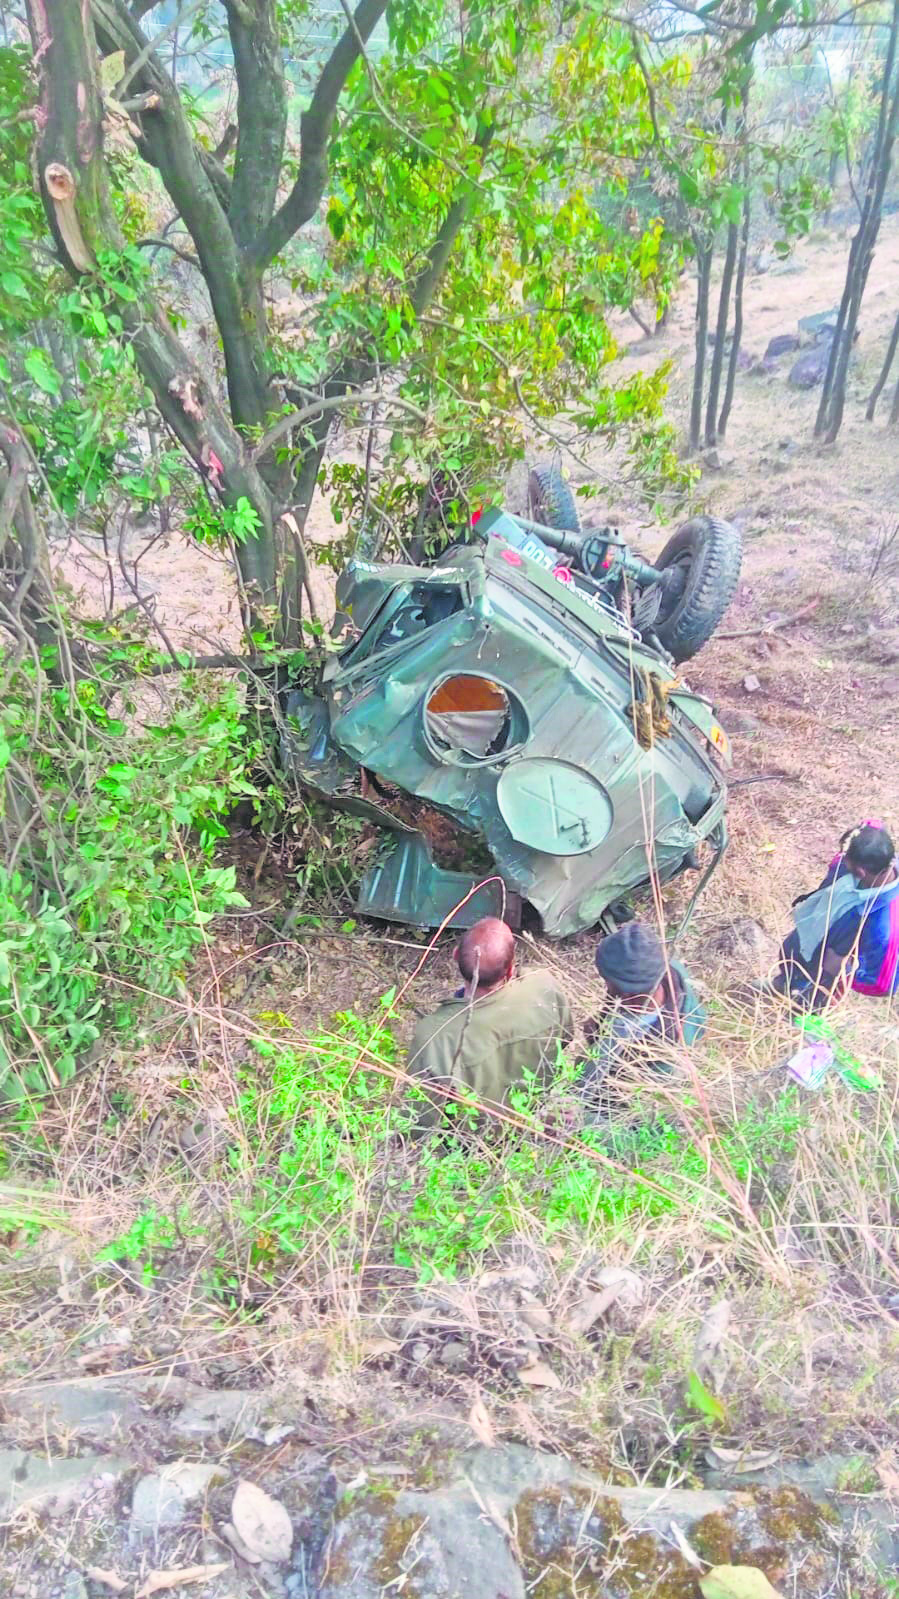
x=112 y=892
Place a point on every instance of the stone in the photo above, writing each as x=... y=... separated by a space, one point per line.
x=54 y=1485
x=454 y=1541
x=455 y=1356
x=161 y=1498
x=742 y=941
x=420 y=1544
x=751 y=683
x=227 y=1413
x=781 y=344
x=92 y=1409
x=75 y=1587
x=809 y=370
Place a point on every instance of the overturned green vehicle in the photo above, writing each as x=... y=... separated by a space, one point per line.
x=525 y=686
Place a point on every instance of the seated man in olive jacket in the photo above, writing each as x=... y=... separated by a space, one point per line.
x=494 y=1029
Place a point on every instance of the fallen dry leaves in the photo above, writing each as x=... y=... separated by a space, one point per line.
x=164 y=1581
x=539 y=1375
x=480 y=1423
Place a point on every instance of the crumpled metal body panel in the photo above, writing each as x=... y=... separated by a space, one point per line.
x=570 y=672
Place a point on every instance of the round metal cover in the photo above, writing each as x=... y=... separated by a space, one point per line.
x=553 y=806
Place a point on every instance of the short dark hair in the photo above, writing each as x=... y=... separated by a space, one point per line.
x=871 y=848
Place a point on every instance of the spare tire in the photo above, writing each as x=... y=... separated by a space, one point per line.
x=550 y=500
x=702 y=561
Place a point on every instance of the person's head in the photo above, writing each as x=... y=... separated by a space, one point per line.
x=869 y=854
x=871 y=822
x=485 y=954
x=631 y=962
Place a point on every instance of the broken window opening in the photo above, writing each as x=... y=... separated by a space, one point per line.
x=424 y=607
x=472 y=718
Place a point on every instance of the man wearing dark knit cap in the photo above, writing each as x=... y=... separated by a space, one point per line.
x=653 y=1006
x=495 y=1030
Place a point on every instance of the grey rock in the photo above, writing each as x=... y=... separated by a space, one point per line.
x=93 y=1409
x=454 y=1356
x=75 y=1587
x=453 y=1548
x=456 y=1549
x=230 y=1413
x=781 y=344
x=161 y=1499
x=503 y=1475
x=741 y=941
x=787 y=269
x=809 y=370
x=820 y=322
x=53 y=1485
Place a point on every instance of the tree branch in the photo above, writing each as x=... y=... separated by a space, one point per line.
x=133 y=67
x=71 y=141
x=166 y=142
x=441 y=248
x=261 y=116
x=166 y=244
x=333 y=402
x=316 y=126
x=30 y=608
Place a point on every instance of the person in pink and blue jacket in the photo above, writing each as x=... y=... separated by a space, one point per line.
x=846 y=932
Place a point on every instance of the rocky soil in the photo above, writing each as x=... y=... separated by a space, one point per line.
x=141 y=1485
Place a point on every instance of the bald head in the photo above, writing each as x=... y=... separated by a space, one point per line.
x=486 y=952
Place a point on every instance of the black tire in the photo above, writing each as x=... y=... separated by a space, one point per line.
x=551 y=501
x=708 y=552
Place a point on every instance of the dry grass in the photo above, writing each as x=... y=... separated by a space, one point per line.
x=784 y=1207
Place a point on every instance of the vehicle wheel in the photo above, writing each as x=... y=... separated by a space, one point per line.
x=702 y=561
x=551 y=501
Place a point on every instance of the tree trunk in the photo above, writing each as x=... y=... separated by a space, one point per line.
x=894 y=408
x=880 y=385
x=28 y=608
x=833 y=395
x=737 y=336
x=717 y=367
x=703 y=277
x=234 y=251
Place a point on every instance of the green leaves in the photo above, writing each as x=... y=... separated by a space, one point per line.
x=701 y=1398
x=39 y=369
x=116 y=882
x=737 y=1582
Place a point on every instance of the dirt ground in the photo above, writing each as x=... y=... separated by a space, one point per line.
x=811 y=707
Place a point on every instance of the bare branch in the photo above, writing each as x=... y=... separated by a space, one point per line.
x=166 y=244
x=153 y=44
x=333 y=402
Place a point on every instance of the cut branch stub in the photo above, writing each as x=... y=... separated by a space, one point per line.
x=60 y=186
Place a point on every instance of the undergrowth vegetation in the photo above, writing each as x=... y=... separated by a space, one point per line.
x=323 y=1149
x=109 y=880
x=249 y=1201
